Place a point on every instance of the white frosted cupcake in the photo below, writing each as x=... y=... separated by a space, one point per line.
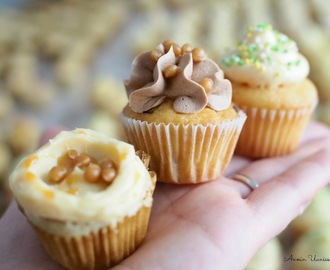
x=87 y=196
x=180 y=112
x=269 y=79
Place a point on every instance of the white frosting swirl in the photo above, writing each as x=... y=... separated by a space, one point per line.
x=131 y=189
x=265 y=58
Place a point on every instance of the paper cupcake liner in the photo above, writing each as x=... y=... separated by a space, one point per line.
x=99 y=249
x=268 y=133
x=184 y=154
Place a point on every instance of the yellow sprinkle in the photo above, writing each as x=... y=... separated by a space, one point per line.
x=48 y=194
x=277 y=74
x=242 y=48
x=29 y=161
x=259 y=67
x=30 y=177
x=248 y=61
x=73 y=191
x=123 y=155
x=79 y=131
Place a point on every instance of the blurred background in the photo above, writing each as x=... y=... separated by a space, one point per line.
x=63 y=62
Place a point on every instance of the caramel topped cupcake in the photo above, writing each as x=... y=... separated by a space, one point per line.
x=180 y=113
x=87 y=191
x=269 y=79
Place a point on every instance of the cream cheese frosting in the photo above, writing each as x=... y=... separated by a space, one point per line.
x=148 y=87
x=108 y=204
x=265 y=58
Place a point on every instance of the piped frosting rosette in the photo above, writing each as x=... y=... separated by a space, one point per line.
x=179 y=77
x=269 y=77
x=87 y=196
x=183 y=150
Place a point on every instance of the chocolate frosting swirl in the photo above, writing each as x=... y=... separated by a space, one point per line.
x=148 y=88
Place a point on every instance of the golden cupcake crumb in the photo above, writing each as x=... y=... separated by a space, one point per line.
x=165 y=113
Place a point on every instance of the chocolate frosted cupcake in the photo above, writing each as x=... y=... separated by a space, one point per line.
x=180 y=113
x=270 y=84
x=87 y=196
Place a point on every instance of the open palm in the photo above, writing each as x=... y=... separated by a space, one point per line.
x=215 y=225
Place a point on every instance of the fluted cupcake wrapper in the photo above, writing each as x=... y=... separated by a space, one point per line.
x=185 y=154
x=268 y=133
x=99 y=249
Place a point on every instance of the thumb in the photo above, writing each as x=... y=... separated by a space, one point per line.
x=277 y=202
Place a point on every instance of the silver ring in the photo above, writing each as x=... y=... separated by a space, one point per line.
x=246 y=180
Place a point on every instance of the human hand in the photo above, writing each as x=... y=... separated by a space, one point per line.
x=214 y=225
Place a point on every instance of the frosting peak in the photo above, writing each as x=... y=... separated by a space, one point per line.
x=188 y=77
x=265 y=57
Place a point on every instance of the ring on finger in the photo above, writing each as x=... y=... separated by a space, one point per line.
x=246 y=180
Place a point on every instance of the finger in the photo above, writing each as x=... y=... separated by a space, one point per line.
x=165 y=194
x=19 y=246
x=263 y=170
x=315 y=130
x=277 y=202
x=237 y=163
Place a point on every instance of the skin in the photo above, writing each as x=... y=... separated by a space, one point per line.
x=215 y=225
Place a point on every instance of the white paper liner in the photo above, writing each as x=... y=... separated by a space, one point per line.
x=99 y=249
x=185 y=153
x=269 y=133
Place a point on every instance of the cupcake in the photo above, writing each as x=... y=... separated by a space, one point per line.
x=269 y=80
x=180 y=112
x=87 y=196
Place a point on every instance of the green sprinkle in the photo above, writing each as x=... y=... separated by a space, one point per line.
x=286 y=51
x=228 y=62
x=275 y=48
x=241 y=62
x=283 y=38
x=254 y=59
x=289 y=64
x=263 y=26
x=298 y=62
x=252 y=48
x=235 y=58
x=269 y=59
